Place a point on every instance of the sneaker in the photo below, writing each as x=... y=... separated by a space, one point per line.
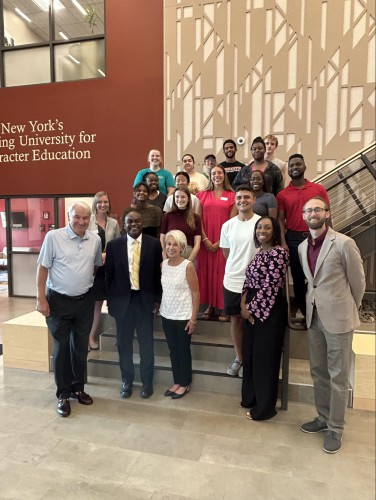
x=332 y=442
x=314 y=426
x=234 y=368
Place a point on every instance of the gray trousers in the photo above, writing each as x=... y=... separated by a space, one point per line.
x=330 y=358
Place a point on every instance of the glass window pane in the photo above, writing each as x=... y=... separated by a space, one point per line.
x=30 y=220
x=25 y=22
x=27 y=66
x=24 y=268
x=79 y=18
x=77 y=61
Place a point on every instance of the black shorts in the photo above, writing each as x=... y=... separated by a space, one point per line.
x=231 y=302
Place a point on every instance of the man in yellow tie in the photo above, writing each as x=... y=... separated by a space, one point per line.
x=133 y=279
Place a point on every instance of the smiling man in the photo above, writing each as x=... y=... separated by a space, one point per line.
x=334 y=270
x=133 y=279
x=66 y=267
x=238 y=248
x=293 y=228
x=231 y=164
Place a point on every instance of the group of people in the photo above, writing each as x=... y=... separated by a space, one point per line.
x=194 y=240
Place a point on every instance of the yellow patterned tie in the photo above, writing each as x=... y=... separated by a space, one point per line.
x=136 y=265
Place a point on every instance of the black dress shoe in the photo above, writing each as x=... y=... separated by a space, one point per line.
x=169 y=393
x=82 y=397
x=146 y=392
x=63 y=407
x=178 y=396
x=126 y=390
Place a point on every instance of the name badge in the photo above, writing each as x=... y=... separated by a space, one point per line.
x=223 y=198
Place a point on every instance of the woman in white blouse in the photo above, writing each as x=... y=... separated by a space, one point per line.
x=179 y=309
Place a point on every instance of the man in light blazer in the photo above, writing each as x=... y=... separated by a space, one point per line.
x=334 y=270
x=132 y=299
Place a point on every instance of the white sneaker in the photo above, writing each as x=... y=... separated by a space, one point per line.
x=234 y=368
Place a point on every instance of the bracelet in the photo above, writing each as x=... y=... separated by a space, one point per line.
x=205 y=239
x=193 y=322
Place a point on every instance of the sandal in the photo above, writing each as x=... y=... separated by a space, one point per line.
x=224 y=318
x=208 y=313
x=248 y=415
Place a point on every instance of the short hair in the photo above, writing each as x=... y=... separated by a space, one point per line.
x=276 y=231
x=320 y=198
x=141 y=184
x=265 y=186
x=244 y=187
x=188 y=154
x=258 y=139
x=179 y=237
x=296 y=155
x=229 y=141
x=148 y=174
x=271 y=137
x=210 y=157
x=95 y=201
x=81 y=204
x=184 y=174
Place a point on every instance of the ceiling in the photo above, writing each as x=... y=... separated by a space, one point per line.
x=68 y=20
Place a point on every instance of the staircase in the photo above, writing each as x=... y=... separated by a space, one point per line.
x=212 y=352
x=351 y=190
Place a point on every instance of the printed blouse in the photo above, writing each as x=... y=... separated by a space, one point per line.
x=265 y=276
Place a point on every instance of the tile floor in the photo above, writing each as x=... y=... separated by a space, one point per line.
x=200 y=447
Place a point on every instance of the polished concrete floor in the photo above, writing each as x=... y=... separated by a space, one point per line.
x=199 y=447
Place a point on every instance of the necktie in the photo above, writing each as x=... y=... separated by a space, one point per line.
x=136 y=265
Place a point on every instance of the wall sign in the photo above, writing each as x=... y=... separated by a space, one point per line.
x=43 y=141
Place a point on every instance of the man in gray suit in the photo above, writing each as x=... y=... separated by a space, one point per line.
x=334 y=270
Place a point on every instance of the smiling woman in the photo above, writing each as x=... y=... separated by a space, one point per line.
x=150 y=214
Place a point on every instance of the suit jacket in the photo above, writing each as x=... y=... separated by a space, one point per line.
x=117 y=274
x=338 y=285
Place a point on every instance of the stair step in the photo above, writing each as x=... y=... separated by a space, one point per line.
x=208 y=376
x=203 y=347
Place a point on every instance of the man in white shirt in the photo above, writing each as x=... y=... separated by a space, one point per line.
x=237 y=243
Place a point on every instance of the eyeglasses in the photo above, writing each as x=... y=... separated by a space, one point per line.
x=317 y=210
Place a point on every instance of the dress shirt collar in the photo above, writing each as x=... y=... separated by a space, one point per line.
x=131 y=240
x=72 y=235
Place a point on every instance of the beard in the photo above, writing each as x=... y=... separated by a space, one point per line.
x=316 y=224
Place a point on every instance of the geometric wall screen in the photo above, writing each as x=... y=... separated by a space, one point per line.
x=303 y=70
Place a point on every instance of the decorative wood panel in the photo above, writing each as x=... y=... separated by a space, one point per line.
x=303 y=70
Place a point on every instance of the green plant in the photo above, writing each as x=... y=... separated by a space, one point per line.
x=90 y=17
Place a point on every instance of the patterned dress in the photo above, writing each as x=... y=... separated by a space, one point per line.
x=262 y=344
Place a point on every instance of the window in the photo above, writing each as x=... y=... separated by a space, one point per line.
x=51 y=41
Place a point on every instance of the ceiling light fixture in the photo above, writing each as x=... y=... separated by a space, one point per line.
x=44 y=5
x=63 y=35
x=74 y=59
x=79 y=7
x=20 y=13
x=101 y=72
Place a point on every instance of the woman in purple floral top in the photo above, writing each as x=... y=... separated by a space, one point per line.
x=264 y=309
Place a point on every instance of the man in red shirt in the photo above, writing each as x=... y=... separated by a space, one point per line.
x=291 y=201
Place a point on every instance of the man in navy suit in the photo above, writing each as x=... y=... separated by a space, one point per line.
x=133 y=279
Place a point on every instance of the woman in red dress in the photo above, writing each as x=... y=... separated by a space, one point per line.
x=218 y=206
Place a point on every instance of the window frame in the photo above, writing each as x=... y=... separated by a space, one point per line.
x=51 y=44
